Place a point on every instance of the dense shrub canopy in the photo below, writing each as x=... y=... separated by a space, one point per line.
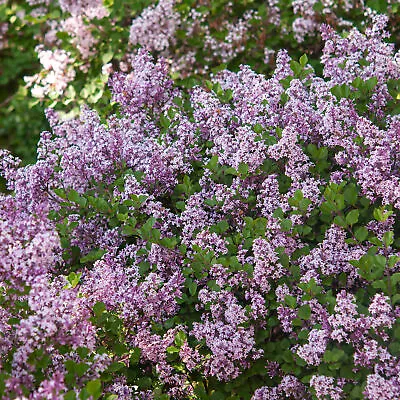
x=236 y=241
x=234 y=238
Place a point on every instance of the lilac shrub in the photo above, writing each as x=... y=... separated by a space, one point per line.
x=60 y=54
x=193 y=36
x=238 y=240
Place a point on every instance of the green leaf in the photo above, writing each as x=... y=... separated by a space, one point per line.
x=286 y=225
x=82 y=352
x=396 y=298
x=370 y=267
x=122 y=217
x=128 y=230
x=171 y=112
x=164 y=121
x=62 y=35
x=394 y=349
x=119 y=348
x=70 y=395
x=93 y=255
x=350 y=194
x=78 y=369
x=298 y=195
x=371 y=83
x=304 y=312
x=243 y=169
x=172 y=349
x=116 y=366
x=212 y=284
x=180 y=205
x=357 y=392
x=99 y=308
x=290 y=301
x=380 y=284
x=303 y=60
x=148 y=225
x=303 y=335
x=180 y=338
x=303 y=204
x=60 y=193
x=361 y=233
x=212 y=163
x=169 y=242
x=100 y=204
x=200 y=391
x=94 y=388
x=395 y=278
x=381 y=215
x=388 y=238
x=340 y=221
x=341 y=91
x=217 y=396
x=333 y=356
x=357 y=83
x=107 y=57
x=74 y=278
x=278 y=213
x=222 y=226
x=192 y=288
x=74 y=196
x=135 y=356
x=352 y=217
x=295 y=67
x=257 y=128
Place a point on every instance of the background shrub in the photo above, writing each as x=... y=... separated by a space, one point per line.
x=60 y=54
